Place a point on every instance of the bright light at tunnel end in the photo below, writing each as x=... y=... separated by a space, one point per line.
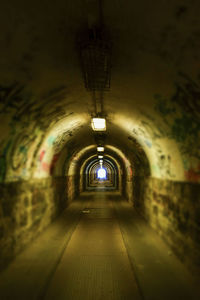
x=101 y=173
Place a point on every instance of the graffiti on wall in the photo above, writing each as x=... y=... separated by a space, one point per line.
x=29 y=120
x=139 y=158
x=23 y=106
x=149 y=135
x=60 y=140
x=181 y=115
x=20 y=150
x=179 y=122
x=164 y=164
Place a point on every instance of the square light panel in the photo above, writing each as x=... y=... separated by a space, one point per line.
x=98 y=124
x=100 y=149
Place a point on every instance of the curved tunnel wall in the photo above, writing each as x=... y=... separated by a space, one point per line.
x=79 y=163
x=152 y=109
x=123 y=166
x=33 y=204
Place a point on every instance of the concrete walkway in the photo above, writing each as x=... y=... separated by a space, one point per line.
x=98 y=249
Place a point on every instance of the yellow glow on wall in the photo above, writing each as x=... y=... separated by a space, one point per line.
x=163 y=153
x=53 y=142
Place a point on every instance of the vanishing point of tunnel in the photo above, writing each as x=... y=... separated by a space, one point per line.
x=100 y=150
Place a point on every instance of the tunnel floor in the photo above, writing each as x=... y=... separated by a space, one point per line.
x=98 y=249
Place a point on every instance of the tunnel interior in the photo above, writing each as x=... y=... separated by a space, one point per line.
x=101 y=174
x=51 y=89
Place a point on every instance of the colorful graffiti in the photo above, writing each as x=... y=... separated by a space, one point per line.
x=45 y=166
x=29 y=120
x=193 y=174
x=53 y=162
x=20 y=150
x=42 y=154
x=181 y=115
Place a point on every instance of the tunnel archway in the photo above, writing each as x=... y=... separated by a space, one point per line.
x=110 y=179
x=151 y=111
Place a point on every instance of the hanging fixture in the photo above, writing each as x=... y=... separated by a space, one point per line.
x=95 y=59
x=95 y=56
x=95 y=49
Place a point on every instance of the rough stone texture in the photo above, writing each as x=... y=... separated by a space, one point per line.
x=173 y=210
x=72 y=187
x=26 y=208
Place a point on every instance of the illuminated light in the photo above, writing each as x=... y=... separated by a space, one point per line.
x=101 y=161
x=100 y=156
x=98 y=124
x=100 y=149
x=101 y=173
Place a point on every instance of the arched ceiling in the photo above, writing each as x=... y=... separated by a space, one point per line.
x=87 y=154
x=153 y=102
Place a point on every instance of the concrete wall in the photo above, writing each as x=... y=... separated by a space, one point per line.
x=173 y=210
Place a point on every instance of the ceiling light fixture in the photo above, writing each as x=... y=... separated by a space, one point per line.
x=100 y=149
x=100 y=156
x=98 y=124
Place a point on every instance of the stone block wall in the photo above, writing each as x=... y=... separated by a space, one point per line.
x=72 y=187
x=173 y=210
x=26 y=208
